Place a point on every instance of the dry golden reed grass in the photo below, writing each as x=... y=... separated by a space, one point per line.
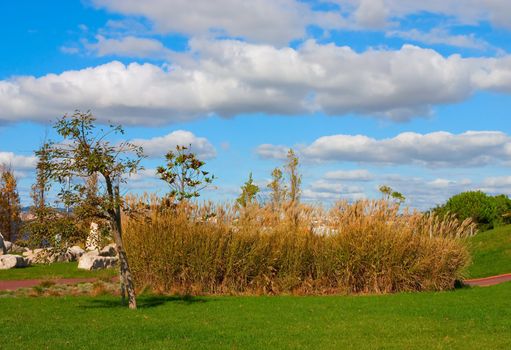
x=365 y=247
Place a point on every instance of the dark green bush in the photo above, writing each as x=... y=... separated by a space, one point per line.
x=487 y=211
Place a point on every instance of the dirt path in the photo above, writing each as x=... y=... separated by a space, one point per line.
x=12 y=285
x=488 y=281
x=15 y=284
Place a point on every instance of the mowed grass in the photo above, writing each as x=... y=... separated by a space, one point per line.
x=475 y=318
x=491 y=253
x=54 y=271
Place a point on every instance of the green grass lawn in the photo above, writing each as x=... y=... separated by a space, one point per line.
x=475 y=318
x=491 y=252
x=56 y=270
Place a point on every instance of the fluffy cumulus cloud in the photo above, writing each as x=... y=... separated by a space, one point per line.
x=128 y=46
x=497 y=185
x=228 y=77
x=279 y=21
x=441 y=36
x=271 y=21
x=17 y=162
x=425 y=193
x=160 y=145
x=438 y=149
x=498 y=12
x=360 y=175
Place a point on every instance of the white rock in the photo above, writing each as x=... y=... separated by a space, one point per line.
x=75 y=252
x=9 y=261
x=93 y=238
x=92 y=261
x=3 y=249
x=16 y=249
x=109 y=250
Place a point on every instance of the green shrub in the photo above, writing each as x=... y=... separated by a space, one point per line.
x=485 y=210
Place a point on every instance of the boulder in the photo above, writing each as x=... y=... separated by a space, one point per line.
x=75 y=252
x=109 y=250
x=9 y=261
x=92 y=261
x=16 y=249
x=3 y=249
x=46 y=256
x=8 y=246
x=93 y=238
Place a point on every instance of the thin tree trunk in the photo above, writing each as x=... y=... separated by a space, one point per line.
x=127 y=285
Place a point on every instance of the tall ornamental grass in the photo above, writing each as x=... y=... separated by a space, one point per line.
x=365 y=247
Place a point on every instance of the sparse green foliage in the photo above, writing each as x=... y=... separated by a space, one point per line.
x=389 y=194
x=295 y=179
x=49 y=227
x=84 y=152
x=184 y=174
x=249 y=192
x=277 y=188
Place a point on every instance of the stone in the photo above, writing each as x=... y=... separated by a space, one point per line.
x=93 y=261
x=75 y=252
x=3 y=250
x=9 y=261
x=16 y=249
x=43 y=256
x=8 y=246
x=109 y=250
x=93 y=238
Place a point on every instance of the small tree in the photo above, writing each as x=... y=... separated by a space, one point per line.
x=277 y=188
x=85 y=152
x=249 y=192
x=389 y=194
x=295 y=179
x=10 y=208
x=184 y=174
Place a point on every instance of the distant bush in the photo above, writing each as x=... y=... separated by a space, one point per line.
x=366 y=247
x=485 y=210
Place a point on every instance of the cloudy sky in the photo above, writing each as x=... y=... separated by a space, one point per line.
x=411 y=94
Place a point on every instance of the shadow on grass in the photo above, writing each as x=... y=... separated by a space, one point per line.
x=143 y=302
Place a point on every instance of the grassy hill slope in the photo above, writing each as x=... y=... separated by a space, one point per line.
x=491 y=253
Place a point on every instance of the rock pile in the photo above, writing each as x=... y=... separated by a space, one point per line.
x=87 y=260
x=95 y=260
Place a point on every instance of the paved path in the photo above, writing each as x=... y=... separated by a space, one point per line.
x=489 y=281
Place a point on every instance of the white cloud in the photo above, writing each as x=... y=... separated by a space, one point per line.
x=349 y=175
x=280 y=21
x=425 y=194
x=465 y=12
x=157 y=147
x=438 y=149
x=128 y=46
x=497 y=185
x=440 y=36
x=271 y=21
x=331 y=194
x=18 y=162
x=228 y=78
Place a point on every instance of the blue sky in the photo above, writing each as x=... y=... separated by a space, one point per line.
x=368 y=92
